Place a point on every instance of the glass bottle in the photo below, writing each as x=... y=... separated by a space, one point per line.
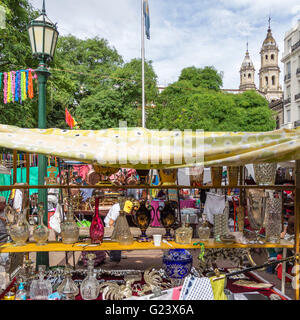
x=203 y=230
x=40 y=232
x=40 y=289
x=68 y=289
x=97 y=227
x=21 y=292
x=89 y=288
x=69 y=228
x=184 y=234
x=19 y=232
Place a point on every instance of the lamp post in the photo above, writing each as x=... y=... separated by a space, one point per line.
x=43 y=37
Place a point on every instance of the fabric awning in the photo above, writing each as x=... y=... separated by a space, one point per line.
x=138 y=147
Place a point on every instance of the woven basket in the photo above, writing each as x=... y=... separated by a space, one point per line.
x=233 y=175
x=216 y=176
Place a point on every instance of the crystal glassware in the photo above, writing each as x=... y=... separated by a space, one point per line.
x=68 y=288
x=273 y=221
x=216 y=176
x=19 y=232
x=97 y=227
x=89 y=288
x=40 y=289
x=40 y=232
x=265 y=173
x=184 y=234
x=69 y=228
x=203 y=229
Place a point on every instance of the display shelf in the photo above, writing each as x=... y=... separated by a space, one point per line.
x=111 y=245
x=113 y=187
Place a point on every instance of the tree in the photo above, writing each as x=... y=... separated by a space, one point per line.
x=194 y=102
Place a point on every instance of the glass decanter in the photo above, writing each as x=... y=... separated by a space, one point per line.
x=69 y=228
x=97 y=227
x=40 y=289
x=203 y=230
x=19 y=232
x=68 y=289
x=40 y=232
x=89 y=288
x=184 y=234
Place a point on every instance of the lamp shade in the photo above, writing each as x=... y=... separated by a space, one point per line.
x=43 y=37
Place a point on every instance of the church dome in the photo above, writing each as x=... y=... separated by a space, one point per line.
x=269 y=41
x=247 y=61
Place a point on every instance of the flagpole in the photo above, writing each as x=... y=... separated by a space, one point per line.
x=143 y=64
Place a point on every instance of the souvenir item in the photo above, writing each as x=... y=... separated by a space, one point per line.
x=221 y=223
x=167 y=177
x=105 y=173
x=40 y=232
x=69 y=229
x=40 y=289
x=68 y=289
x=265 y=173
x=216 y=176
x=143 y=175
x=233 y=175
x=97 y=227
x=203 y=229
x=143 y=218
x=196 y=176
x=19 y=232
x=167 y=218
x=177 y=263
x=184 y=234
x=89 y=288
x=121 y=232
x=256 y=207
x=273 y=222
x=240 y=218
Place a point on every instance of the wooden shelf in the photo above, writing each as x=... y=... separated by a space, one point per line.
x=111 y=245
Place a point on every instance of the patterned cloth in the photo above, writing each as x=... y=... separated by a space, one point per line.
x=196 y=289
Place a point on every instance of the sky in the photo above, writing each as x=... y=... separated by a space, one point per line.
x=184 y=33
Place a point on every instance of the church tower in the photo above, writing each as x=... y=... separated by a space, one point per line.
x=247 y=74
x=269 y=72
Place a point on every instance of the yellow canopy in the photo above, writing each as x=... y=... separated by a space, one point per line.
x=142 y=148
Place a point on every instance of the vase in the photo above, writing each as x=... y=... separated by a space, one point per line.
x=143 y=219
x=216 y=176
x=273 y=221
x=19 y=232
x=40 y=289
x=89 y=287
x=167 y=219
x=265 y=173
x=68 y=289
x=97 y=227
x=184 y=234
x=233 y=175
x=177 y=263
x=40 y=232
x=167 y=177
x=69 y=228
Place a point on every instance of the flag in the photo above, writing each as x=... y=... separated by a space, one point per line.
x=69 y=119
x=147 y=18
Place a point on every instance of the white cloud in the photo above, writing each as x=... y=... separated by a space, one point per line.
x=183 y=33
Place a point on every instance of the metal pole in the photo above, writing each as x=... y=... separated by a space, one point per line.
x=43 y=74
x=143 y=64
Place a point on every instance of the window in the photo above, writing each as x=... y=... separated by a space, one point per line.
x=277 y=123
x=273 y=80
x=249 y=75
x=244 y=75
x=266 y=57
x=288 y=68
x=289 y=44
x=288 y=91
x=288 y=115
x=272 y=56
x=298 y=112
x=267 y=80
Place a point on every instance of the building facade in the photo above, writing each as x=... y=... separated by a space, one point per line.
x=291 y=61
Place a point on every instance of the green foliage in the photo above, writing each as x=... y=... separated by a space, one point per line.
x=196 y=102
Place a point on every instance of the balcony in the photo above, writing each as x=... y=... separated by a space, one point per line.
x=287 y=77
x=287 y=101
x=296 y=46
x=297 y=96
x=297 y=124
